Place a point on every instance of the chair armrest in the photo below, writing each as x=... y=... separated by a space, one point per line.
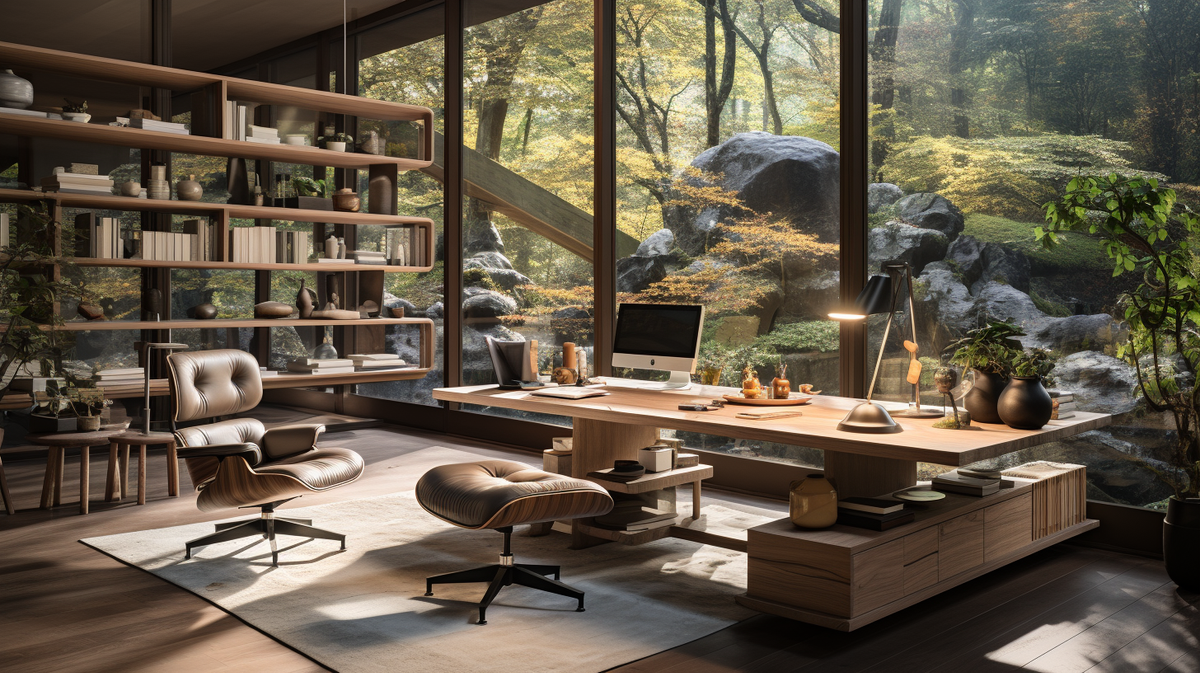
x=248 y=451
x=288 y=440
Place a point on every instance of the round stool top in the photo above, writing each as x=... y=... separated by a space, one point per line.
x=138 y=437
x=72 y=439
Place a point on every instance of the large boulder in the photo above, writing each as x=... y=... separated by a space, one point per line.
x=897 y=242
x=966 y=257
x=791 y=176
x=944 y=307
x=485 y=238
x=1100 y=382
x=657 y=244
x=810 y=296
x=881 y=195
x=1081 y=333
x=635 y=274
x=509 y=279
x=1005 y=265
x=487 y=260
x=488 y=304
x=931 y=211
x=1000 y=301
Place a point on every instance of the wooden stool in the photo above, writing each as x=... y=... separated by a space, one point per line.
x=118 y=464
x=58 y=443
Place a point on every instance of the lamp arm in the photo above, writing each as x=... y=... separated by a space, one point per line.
x=912 y=315
x=883 y=344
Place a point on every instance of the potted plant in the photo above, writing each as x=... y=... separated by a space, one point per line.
x=76 y=112
x=1147 y=236
x=89 y=405
x=988 y=352
x=335 y=141
x=313 y=194
x=1025 y=403
x=54 y=412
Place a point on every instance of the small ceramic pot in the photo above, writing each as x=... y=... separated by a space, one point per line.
x=982 y=398
x=81 y=117
x=296 y=139
x=15 y=92
x=88 y=423
x=1025 y=404
x=272 y=309
x=133 y=189
x=335 y=146
x=346 y=200
x=158 y=172
x=813 y=502
x=204 y=312
x=397 y=311
x=189 y=190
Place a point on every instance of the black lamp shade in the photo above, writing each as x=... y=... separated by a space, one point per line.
x=876 y=297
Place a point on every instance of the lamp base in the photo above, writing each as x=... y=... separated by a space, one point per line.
x=870 y=418
x=922 y=412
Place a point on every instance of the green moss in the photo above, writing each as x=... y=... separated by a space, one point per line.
x=1077 y=253
x=1049 y=307
x=821 y=336
x=477 y=277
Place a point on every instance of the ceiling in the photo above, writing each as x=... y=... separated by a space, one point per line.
x=207 y=33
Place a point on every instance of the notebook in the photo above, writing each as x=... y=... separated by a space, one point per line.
x=570 y=392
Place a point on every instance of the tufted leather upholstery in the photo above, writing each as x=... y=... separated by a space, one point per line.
x=206 y=384
x=319 y=469
x=472 y=495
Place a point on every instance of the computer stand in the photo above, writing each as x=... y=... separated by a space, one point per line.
x=678 y=381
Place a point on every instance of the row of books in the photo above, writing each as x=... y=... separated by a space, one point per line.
x=98 y=237
x=291 y=247
x=406 y=245
x=169 y=246
x=349 y=365
x=237 y=118
x=253 y=245
x=78 y=183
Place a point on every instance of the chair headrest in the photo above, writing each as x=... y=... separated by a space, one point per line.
x=205 y=384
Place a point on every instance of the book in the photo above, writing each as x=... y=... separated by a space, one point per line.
x=374 y=356
x=767 y=415
x=262 y=141
x=381 y=366
x=870 y=505
x=105 y=373
x=952 y=482
x=314 y=363
x=327 y=370
x=265 y=373
x=875 y=522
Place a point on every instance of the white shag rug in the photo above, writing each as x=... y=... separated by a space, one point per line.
x=365 y=610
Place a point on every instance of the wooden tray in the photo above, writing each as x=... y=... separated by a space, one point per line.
x=790 y=402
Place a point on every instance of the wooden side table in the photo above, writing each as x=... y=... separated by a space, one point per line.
x=58 y=443
x=117 y=485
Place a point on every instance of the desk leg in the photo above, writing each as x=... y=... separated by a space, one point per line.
x=172 y=470
x=124 y=469
x=142 y=474
x=858 y=475
x=4 y=494
x=48 y=481
x=595 y=445
x=60 y=460
x=84 y=474
x=112 y=485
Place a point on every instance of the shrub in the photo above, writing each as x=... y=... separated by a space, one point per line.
x=821 y=336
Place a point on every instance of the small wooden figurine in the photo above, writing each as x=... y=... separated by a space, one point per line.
x=751 y=387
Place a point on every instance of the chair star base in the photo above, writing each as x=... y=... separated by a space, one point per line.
x=268 y=526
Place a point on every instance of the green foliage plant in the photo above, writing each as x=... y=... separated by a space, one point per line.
x=306 y=186
x=1033 y=362
x=990 y=349
x=822 y=336
x=1146 y=236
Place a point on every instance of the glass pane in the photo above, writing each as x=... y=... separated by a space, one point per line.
x=727 y=186
x=527 y=215
x=981 y=113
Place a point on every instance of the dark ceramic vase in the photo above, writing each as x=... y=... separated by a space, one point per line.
x=1181 y=542
x=981 y=399
x=1025 y=404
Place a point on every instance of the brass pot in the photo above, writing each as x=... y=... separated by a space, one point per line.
x=813 y=502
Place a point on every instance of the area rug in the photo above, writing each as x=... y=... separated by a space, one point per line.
x=364 y=609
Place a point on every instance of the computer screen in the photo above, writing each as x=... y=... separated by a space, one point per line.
x=663 y=330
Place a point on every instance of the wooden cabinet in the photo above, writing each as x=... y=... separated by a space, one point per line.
x=960 y=544
x=920 y=560
x=1007 y=526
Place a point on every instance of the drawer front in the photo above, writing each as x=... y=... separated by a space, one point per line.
x=921 y=574
x=799 y=585
x=1007 y=527
x=919 y=545
x=877 y=576
x=960 y=544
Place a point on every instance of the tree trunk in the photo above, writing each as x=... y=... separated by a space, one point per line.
x=960 y=37
x=716 y=93
x=883 y=57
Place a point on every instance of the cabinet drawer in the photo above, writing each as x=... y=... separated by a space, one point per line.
x=1007 y=527
x=919 y=545
x=960 y=544
x=920 y=574
x=878 y=576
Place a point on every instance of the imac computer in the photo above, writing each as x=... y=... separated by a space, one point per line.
x=665 y=337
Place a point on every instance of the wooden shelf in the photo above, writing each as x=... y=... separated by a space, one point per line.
x=158 y=387
x=653 y=481
x=152 y=264
x=213 y=147
x=218 y=323
x=127 y=203
x=286 y=380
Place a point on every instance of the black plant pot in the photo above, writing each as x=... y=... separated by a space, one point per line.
x=47 y=425
x=982 y=398
x=1181 y=542
x=1025 y=404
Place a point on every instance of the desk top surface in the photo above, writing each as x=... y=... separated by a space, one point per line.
x=817 y=428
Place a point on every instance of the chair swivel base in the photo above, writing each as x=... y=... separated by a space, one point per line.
x=268 y=526
x=506 y=573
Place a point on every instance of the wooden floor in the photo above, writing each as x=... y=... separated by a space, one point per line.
x=67 y=608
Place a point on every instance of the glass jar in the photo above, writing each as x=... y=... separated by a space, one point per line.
x=813 y=502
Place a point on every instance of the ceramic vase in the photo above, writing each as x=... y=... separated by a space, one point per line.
x=325 y=351
x=15 y=92
x=304 y=302
x=1025 y=404
x=341 y=243
x=189 y=190
x=346 y=200
x=813 y=502
x=981 y=399
x=331 y=247
x=1181 y=542
x=131 y=189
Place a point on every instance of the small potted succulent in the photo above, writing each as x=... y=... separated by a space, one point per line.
x=336 y=142
x=1025 y=404
x=76 y=112
x=89 y=405
x=988 y=352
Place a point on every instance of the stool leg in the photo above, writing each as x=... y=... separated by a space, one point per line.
x=124 y=469
x=60 y=460
x=8 y=504
x=535 y=581
x=142 y=474
x=111 y=483
x=503 y=578
x=696 y=499
x=172 y=470
x=85 y=472
x=48 y=481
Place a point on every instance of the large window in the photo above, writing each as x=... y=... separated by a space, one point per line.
x=981 y=112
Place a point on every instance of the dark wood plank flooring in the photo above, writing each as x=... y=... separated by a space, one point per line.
x=67 y=608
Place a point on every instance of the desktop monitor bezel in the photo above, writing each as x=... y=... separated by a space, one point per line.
x=664 y=363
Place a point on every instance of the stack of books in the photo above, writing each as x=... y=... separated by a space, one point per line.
x=115 y=381
x=1064 y=404
x=315 y=366
x=204 y=241
x=263 y=134
x=291 y=247
x=253 y=245
x=98 y=237
x=78 y=183
x=153 y=125
x=968 y=482
x=873 y=513
x=405 y=245
x=377 y=361
x=264 y=373
x=367 y=257
x=30 y=113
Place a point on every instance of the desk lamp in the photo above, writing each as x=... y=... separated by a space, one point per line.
x=146 y=348
x=879 y=296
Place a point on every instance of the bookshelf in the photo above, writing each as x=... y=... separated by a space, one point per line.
x=209 y=95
